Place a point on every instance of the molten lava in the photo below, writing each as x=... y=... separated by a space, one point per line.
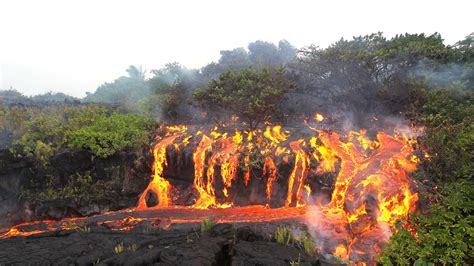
x=371 y=190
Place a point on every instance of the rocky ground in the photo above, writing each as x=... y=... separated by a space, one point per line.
x=182 y=244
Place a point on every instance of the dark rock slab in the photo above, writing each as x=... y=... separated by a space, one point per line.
x=224 y=244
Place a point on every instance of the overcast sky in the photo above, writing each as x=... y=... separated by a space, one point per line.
x=74 y=46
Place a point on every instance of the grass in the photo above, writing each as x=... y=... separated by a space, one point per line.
x=83 y=229
x=70 y=225
x=119 y=248
x=206 y=224
x=133 y=247
x=283 y=235
x=297 y=262
x=307 y=242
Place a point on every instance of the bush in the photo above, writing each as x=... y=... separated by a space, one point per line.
x=109 y=134
x=448 y=118
x=43 y=135
x=444 y=236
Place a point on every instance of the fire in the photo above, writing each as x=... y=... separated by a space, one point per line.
x=368 y=169
x=274 y=134
x=206 y=192
x=371 y=189
x=299 y=173
x=269 y=170
x=341 y=252
x=159 y=185
x=307 y=187
x=318 y=117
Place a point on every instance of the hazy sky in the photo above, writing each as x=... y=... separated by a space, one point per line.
x=74 y=46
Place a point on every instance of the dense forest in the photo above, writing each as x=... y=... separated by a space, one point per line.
x=410 y=77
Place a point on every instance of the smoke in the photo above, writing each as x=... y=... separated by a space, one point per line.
x=326 y=233
x=443 y=75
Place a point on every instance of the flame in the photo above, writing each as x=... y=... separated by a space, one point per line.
x=274 y=134
x=299 y=173
x=371 y=189
x=206 y=193
x=341 y=252
x=269 y=170
x=158 y=185
x=318 y=117
x=307 y=187
x=247 y=170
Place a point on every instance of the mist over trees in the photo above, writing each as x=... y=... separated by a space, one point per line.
x=360 y=77
x=13 y=97
x=352 y=82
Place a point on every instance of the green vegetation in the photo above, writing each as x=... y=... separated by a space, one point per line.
x=307 y=242
x=206 y=225
x=125 y=90
x=133 y=247
x=77 y=186
x=110 y=134
x=444 y=236
x=41 y=132
x=448 y=118
x=170 y=89
x=119 y=248
x=253 y=95
x=83 y=229
x=413 y=76
x=296 y=262
x=283 y=235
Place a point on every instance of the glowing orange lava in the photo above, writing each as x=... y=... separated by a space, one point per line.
x=371 y=189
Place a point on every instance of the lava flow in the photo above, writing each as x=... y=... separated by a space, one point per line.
x=271 y=174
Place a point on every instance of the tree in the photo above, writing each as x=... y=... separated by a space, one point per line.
x=170 y=89
x=126 y=90
x=370 y=74
x=253 y=95
x=263 y=53
x=259 y=54
x=136 y=72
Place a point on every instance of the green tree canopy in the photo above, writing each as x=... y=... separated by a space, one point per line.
x=253 y=95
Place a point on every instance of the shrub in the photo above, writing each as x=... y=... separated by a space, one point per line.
x=109 y=134
x=444 y=236
x=43 y=135
x=448 y=117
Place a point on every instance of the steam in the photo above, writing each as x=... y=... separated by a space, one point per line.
x=442 y=75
